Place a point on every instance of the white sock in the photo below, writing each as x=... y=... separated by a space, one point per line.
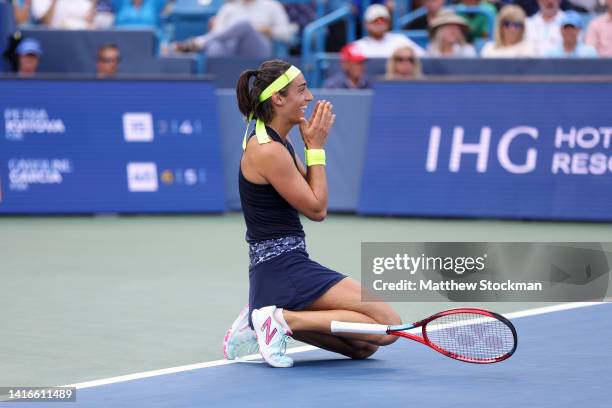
x=278 y=315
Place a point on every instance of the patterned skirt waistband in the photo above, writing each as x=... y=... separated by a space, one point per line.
x=264 y=250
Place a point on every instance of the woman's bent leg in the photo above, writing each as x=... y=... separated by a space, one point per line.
x=343 y=302
x=355 y=349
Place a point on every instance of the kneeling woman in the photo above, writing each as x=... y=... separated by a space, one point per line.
x=290 y=294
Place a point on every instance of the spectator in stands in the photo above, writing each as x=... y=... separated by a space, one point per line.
x=479 y=23
x=599 y=33
x=447 y=33
x=107 y=63
x=531 y=7
x=353 y=74
x=403 y=65
x=572 y=47
x=380 y=43
x=422 y=23
x=509 y=36
x=543 y=28
x=64 y=14
x=138 y=13
x=300 y=14
x=29 y=53
x=22 y=9
x=105 y=16
x=243 y=27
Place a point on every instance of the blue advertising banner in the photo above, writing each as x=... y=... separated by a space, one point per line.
x=490 y=149
x=118 y=146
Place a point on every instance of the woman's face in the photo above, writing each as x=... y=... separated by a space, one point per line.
x=295 y=103
x=512 y=31
x=450 y=33
x=403 y=63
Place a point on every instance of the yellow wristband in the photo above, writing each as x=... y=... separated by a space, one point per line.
x=314 y=157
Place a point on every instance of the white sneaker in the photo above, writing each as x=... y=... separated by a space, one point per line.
x=271 y=336
x=240 y=340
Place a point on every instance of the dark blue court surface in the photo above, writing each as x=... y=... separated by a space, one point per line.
x=563 y=359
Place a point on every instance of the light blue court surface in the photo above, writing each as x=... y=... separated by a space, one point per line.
x=563 y=360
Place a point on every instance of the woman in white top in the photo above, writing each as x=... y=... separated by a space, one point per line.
x=510 y=39
x=65 y=14
x=448 y=32
x=245 y=28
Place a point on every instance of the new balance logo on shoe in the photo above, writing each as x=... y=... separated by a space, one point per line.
x=266 y=326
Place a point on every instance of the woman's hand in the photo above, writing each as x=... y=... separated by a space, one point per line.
x=315 y=131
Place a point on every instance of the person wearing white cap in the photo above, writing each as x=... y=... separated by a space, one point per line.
x=380 y=43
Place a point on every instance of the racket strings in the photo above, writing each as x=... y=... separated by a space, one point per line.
x=471 y=336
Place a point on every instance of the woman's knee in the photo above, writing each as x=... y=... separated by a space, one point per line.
x=384 y=314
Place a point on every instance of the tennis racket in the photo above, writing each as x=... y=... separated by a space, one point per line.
x=465 y=334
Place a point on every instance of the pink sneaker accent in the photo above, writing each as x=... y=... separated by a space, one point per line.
x=266 y=325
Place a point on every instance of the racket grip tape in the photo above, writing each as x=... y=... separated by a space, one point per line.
x=363 y=328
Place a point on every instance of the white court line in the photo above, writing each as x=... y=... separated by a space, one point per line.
x=216 y=363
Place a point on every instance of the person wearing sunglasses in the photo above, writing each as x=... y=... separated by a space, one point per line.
x=379 y=41
x=403 y=65
x=107 y=63
x=509 y=36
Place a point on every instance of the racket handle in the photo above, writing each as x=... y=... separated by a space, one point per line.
x=364 y=328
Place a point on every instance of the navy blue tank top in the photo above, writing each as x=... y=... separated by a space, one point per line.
x=266 y=213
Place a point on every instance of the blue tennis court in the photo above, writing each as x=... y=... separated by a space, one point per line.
x=562 y=360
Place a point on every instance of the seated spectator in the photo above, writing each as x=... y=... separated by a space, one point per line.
x=105 y=16
x=245 y=28
x=64 y=14
x=447 y=33
x=107 y=62
x=379 y=42
x=300 y=14
x=599 y=33
x=422 y=23
x=543 y=28
x=531 y=7
x=29 y=53
x=572 y=47
x=509 y=36
x=582 y=6
x=479 y=23
x=353 y=74
x=138 y=13
x=403 y=65
x=22 y=9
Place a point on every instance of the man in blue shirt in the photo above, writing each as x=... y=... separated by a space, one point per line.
x=572 y=46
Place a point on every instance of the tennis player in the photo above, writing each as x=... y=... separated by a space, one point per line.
x=290 y=294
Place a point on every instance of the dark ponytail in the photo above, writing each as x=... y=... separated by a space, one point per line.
x=248 y=100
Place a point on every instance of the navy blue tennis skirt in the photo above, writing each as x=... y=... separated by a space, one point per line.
x=290 y=280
